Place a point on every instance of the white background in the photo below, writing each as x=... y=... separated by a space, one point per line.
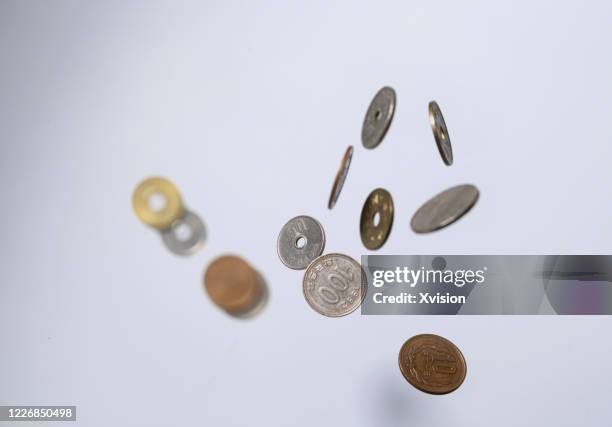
x=248 y=108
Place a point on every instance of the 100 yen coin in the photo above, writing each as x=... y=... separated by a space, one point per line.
x=334 y=285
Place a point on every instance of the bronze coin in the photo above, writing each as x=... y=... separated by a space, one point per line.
x=232 y=284
x=432 y=364
x=376 y=219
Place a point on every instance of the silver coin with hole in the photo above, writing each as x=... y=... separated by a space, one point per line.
x=378 y=117
x=440 y=131
x=186 y=235
x=300 y=241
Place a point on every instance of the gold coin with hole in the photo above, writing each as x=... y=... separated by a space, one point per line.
x=376 y=219
x=169 y=205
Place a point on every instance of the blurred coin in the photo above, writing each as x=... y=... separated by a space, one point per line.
x=438 y=126
x=444 y=209
x=161 y=191
x=300 y=241
x=340 y=177
x=334 y=285
x=233 y=285
x=376 y=219
x=186 y=235
x=432 y=364
x=378 y=117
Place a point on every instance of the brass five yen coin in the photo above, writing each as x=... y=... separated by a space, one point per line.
x=376 y=219
x=432 y=364
x=170 y=207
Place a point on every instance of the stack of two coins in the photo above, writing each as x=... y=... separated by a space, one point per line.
x=158 y=204
x=234 y=286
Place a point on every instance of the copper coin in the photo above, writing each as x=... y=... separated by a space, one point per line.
x=376 y=219
x=232 y=284
x=340 y=177
x=432 y=364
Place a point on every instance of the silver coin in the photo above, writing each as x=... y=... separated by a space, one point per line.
x=186 y=235
x=340 y=177
x=440 y=131
x=300 y=241
x=444 y=209
x=334 y=285
x=378 y=117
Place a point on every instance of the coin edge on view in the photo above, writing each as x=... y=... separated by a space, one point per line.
x=341 y=175
x=448 y=161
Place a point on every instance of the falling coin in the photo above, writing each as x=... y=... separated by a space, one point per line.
x=432 y=364
x=440 y=131
x=192 y=239
x=300 y=241
x=376 y=219
x=378 y=117
x=340 y=177
x=334 y=285
x=444 y=209
x=233 y=285
x=169 y=208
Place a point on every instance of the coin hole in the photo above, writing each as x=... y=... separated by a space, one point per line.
x=183 y=232
x=438 y=263
x=157 y=202
x=300 y=242
x=378 y=115
x=376 y=219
